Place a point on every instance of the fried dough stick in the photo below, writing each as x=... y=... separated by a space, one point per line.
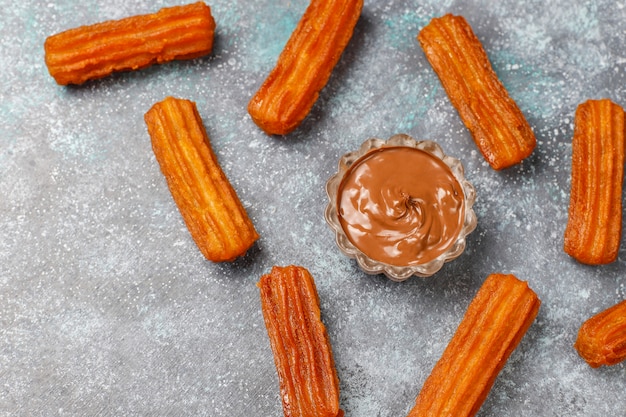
x=209 y=205
x=95 y=51
x=494 y=324
x=496 y=123
x=304 y=66
x=594 y=225
x=602 y=339
x=309 y=386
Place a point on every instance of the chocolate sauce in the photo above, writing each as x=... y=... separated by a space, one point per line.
x=401 y=206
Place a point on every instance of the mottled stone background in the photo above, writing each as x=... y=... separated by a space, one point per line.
x=107 y=307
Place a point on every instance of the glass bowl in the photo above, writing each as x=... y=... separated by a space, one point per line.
x=373 y=266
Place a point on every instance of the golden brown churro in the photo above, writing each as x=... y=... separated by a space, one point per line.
x=217 y=221
x=494 y=324
x=594 y=226
x=602 y=339
x=303 y=356
x=496 y=123
x=304 y=66
x=95 y=51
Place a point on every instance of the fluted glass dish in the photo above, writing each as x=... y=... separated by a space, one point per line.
x=373 y=266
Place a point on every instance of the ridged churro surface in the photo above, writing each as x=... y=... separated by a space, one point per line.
x=496 y=123
x=602 y=339
x=304 y=66
x=309 y=386
x=494 y=324
x=594 y=225
x=209 y=205
x=95 y=51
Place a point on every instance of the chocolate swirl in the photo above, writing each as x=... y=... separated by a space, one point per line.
x=401 y=206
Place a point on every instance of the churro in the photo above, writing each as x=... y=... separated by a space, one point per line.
x=304 y=66
x=602 y=338
x=594 y=225
x=494 y=324
x=496 y=123
x=95 y=51
x=209 y=205
x=303 y=357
